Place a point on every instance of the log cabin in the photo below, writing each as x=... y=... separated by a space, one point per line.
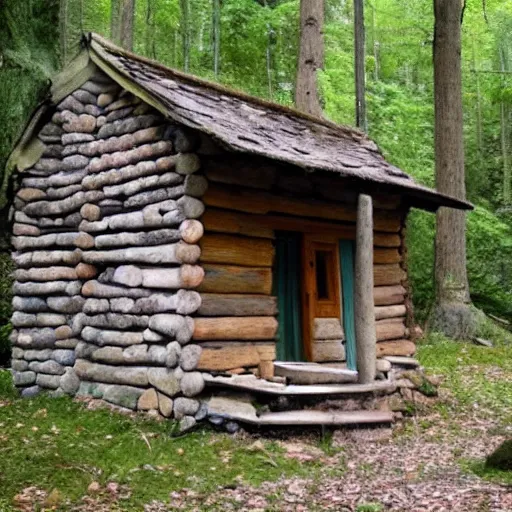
x=180 y=246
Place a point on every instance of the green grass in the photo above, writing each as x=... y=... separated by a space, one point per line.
x=58 y=444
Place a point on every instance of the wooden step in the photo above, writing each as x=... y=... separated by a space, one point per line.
x=245 y=412
x=253 y=384
x=403 y=361
x=313 y=373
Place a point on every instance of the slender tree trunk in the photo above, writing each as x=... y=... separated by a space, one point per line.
x=311 y=56
x=451 y=314
x=126 y=15
x=63 y=31
x=269 y=61
x=150 y=29
x=114 y=20
x=185 y=33
x=504 y=130
x=375 y=47
x=479 y=136
x=359 y=64
x=216 y=37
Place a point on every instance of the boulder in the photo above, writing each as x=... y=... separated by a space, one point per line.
x=192 y=383
x=148 y=400
x=189 y=358
x=165 y=404
x=50 y=367
x=173 y=350
x=48 y=381
x=185 y=407
x=164 y=380
x=187 y=423
x=64 y=357
x=23 y=378
x=69 y=382
x=30 y=391
x=124 y=396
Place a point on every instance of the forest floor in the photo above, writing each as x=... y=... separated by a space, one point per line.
x=57 y=454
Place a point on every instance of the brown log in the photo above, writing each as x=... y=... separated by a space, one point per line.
x=222 y=357
x=241 y=172
x=213 y=304
x=396 y=348
x=387 y=330
x=236 y=250
x=225 y=221
x=235 y=328
x=266 y=370
x=233 y=279
x=386 y=312
x=263 y=226
x=388 y=274
x=388 y=295
x=381 y=256
x=251 y=201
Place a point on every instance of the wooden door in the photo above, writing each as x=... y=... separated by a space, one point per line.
x=321 y=298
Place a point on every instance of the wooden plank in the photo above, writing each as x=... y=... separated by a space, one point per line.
x=313 y=373
x=388 y=295
x=236 y=250
x=382 y=312
x=241 y=171
x=234 y=279
x=396 y=348
x=386 y=256
x=385 y=275
x=386 y=330
x=218 y=304
x=222 y=357
x=266 y=370
x=251 y=383
x=311 y=417
x=235 y=328
x=263 y=203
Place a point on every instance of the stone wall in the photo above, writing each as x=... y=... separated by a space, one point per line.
x=105 y=236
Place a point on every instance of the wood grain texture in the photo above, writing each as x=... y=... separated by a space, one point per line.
x=235 y=328
x=235 y=279
x=386 y=330
x=383 y=312
x=385 y=275
x=383 y=256
x=388 y=295
x=226 y=356
x=217 y=304
x=227 y=221
x=262 y=203
x=396 y=348
x=236 y=250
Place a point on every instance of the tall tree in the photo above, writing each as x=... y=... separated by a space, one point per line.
x=359 y=64
x=126 y=17
x=185 y=33
x=311 y=56
x=216 y=36
x=114 y=20
x=63 y=31
x=452 y=314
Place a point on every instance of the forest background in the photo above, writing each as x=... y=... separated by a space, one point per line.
x=252 y=45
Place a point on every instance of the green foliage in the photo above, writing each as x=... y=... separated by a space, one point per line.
x=62 y=445
x=5 y=306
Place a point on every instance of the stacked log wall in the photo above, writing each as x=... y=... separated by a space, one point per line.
x=246 y=203
x=106 y=248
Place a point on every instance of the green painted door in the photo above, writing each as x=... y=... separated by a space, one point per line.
x=347 y=248
x=287 y=278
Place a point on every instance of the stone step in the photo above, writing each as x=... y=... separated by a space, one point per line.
x=244 y=412
x=313 y=373
x=255 y=385
x=403 y=361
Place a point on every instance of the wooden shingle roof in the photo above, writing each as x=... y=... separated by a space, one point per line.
x=242 y=123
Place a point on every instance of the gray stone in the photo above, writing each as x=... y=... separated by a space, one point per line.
x=37 y=338
x=50 y=367
x=128 y=275
x=185 y=407
x=117 y=321
x=93 y=389
x=19 y=365
x=165 y=404
x=173 y=354
x=64 y=357
x=31 y=391
x=69 y=382
x=187 y=423
x=192 y=383
x=85 y=350
x=382 y=365
x=69 y=305
x=37 y=355
x=50 y=320
x=122 y=305
x=152 y=336
x=48 y=381
x=68 y=343
x=96 y=306
x=57 y=393
x=132 y=376
x=189 y=358
x=17 y=353
x=164 y=380
x=23 y=378
x=148 y=400
x=157 y=354
x=232 y=427
x=175 y=326
x=63 y=332
x=202 y=412
x=20 y=319
x=187 y=163
x=112 y=355
x=124 y=396
x=136 y=354
x=117 y=338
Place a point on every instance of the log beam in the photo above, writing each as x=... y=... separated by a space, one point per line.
x=235 y=328
x=363 y=292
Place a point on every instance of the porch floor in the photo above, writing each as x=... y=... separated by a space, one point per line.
x=313 y=373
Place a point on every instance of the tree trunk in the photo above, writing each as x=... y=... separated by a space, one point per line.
x=359 y=64
x=150 y=30
x=504 y=130
x=126 y=15
x=311 y=56
x=452 y=314
x=63 y=31
x=185 y=33
x=114 y=20
x=216 y=37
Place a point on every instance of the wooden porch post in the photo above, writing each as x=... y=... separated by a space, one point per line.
x=363 y=292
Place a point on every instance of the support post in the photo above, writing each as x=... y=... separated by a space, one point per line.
x=363 y=292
